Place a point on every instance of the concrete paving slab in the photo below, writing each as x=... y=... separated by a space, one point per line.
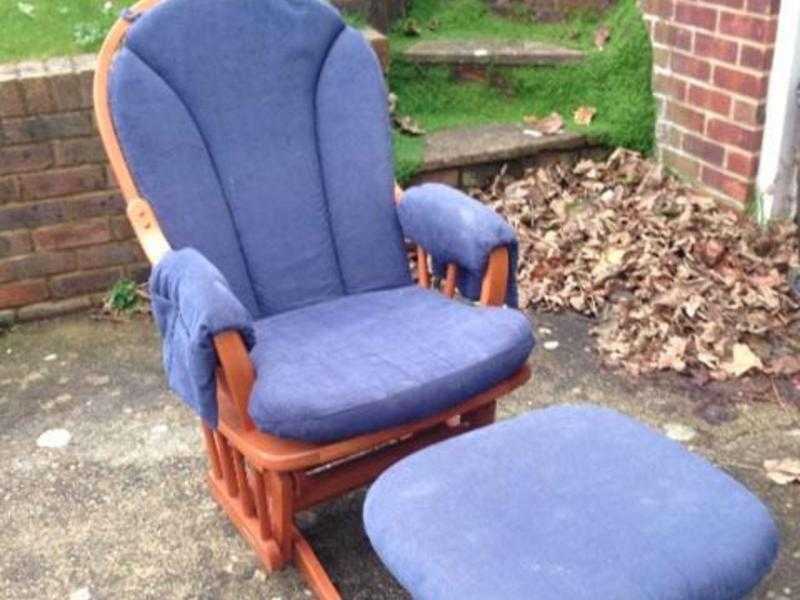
x=463 y=146
x=122 y=511
x=490 y=52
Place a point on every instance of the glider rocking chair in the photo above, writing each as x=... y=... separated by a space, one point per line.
x=251 y=141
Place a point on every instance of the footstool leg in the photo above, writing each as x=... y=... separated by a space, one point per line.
x=280 y=495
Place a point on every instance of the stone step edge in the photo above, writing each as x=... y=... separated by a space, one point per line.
x=473 y=52
x=442 y=150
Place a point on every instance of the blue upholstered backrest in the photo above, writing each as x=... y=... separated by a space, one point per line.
x=258 y=129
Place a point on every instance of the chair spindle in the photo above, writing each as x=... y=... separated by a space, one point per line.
x=245 y=492
x=211 y=450
x=423 y=275
x=227 y=465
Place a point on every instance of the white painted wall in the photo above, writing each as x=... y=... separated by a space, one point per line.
x=776 y=183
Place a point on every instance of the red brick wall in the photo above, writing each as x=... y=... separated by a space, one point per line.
x=64 y=238
x=711 y=63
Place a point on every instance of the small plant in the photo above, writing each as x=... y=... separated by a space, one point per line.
x=6 y=323
x=124 y=297
x=411 y=27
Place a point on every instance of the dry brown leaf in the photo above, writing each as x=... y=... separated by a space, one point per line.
x=783 y=471
x=584 y=115
x=656 y=262
x=742 y=360
x=786 y=365
x=408 y=125
x=711 y=252
x=549 y=125
x=672 y=355
x=601 y=36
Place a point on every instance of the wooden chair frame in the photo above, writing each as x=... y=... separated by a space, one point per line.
x=261 y=480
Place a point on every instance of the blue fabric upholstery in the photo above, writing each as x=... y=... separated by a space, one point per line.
x=174 y=171
x=258 y=131
x=191 y=303
x=356 y=153
x=374 y=360
x=453 y=227
x=567 y=503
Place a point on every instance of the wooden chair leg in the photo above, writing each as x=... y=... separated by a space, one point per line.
x=249 y=510
x=245 y=493
x=226 y=461
x=451 y=275
x=280 y=495
x=308 y=564
x=262 y=506
x=423 y=275
x=211 y=450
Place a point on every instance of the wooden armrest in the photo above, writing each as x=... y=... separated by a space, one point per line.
x=236 y=372
x=495 y=279
x=237 y=378
x=398 y=193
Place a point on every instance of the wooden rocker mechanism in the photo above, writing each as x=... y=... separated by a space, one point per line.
x=261 y=480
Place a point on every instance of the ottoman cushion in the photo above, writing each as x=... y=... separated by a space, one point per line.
x=564 y=503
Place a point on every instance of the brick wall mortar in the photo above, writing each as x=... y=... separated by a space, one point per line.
x=62 y=237
x=710 y=75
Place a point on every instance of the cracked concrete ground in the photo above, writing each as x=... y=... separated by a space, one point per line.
x=122 y=510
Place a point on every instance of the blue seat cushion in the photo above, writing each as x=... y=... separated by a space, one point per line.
x=567 y=503
x=365 y=362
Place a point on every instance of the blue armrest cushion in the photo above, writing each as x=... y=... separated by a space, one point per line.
x=192 y=302
x=453 y=227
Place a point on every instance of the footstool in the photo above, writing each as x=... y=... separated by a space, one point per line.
x=570 y=502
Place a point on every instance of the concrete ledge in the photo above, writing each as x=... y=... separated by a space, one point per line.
x=469 y=156
x=491 y=143
x=490 y=52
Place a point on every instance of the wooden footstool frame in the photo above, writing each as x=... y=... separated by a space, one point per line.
x=261 y=480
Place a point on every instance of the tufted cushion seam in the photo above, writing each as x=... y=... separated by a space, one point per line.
x=317 y=149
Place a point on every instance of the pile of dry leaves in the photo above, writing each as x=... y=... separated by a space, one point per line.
x=676 y=280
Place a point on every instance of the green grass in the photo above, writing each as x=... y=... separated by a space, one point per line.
x=64 y=27
x=54 y=27
x=616 y=81
x=454 y=19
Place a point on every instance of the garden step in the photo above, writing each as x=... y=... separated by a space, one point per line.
x=493 y=143
x=489 y=52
